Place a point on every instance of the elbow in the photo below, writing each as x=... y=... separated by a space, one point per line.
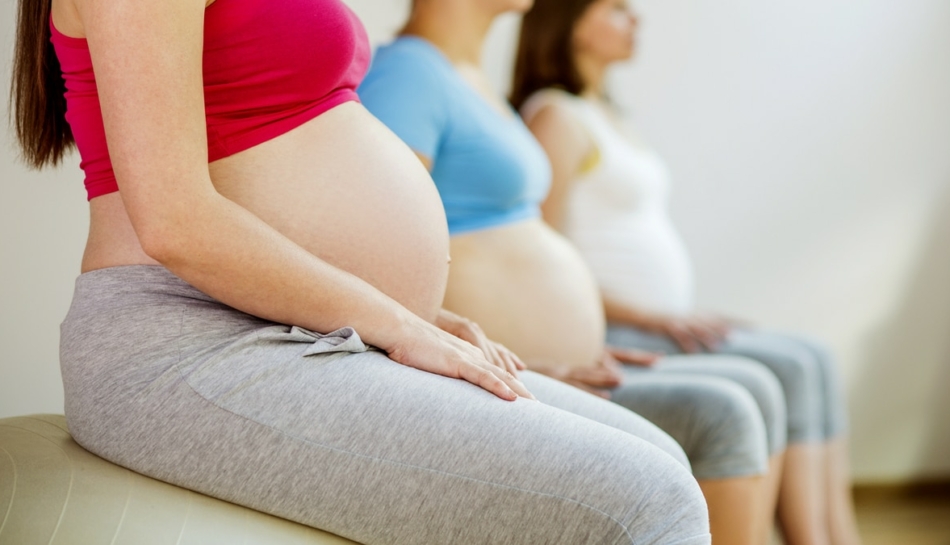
x=158 y=245
x=163 y=241
x=167 y=233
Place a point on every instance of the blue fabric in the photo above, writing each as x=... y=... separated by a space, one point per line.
x=488 y=168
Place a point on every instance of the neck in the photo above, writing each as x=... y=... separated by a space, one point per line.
x=457 y=28
x=593 y=73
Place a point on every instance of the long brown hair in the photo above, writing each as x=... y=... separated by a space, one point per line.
x=545 y=50
x=37 y=91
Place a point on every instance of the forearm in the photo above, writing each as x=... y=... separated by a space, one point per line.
x=621 y=313
x=233 y=256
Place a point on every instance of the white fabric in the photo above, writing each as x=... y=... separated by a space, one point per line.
x=617 y=216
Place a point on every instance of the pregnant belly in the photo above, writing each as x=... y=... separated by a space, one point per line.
x=530 y=290
x=641 y=263
x=350 y=192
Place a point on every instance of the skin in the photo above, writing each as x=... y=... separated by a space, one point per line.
x=262 y=230
x=810 y=480
x=523 y=282
x=740 y=509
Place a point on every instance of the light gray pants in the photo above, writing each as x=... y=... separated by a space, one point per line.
x=728 y=426
x=168 y=382
x=814 y=401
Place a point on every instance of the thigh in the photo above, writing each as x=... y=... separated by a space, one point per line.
x=576 y=401
x=797 y=370
x=318 y=429
x=716 y=421
x=631 y=337
x=765 y=384
x=810 y=409
x=399 y=455
x=377 y=452
x=751 y=375
x=833 y=396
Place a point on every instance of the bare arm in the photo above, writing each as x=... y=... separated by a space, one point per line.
x=567 y=145
x=692 y=333
x=147 y=56
x=469 y=331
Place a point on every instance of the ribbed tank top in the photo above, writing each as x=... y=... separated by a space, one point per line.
x=617 y=214
x=268 y=67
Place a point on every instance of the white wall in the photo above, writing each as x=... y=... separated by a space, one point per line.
x=810 y=145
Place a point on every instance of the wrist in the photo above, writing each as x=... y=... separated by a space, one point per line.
x=393 y=331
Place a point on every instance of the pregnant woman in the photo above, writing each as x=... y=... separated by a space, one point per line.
x=258 y=315
x=609 y=197
x=528 y=287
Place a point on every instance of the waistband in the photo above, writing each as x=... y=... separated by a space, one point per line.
x=126 y=280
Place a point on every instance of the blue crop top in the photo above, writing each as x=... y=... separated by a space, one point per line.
x=488 y=168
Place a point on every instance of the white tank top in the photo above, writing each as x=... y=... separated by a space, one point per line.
x=617 y=215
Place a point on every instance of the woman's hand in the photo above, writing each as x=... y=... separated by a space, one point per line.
x=598 y=379
x=632 y=356
x=469 y=331
x=428 y=348
x=693 y=333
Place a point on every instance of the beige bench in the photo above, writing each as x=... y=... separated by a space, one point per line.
x=54 y=492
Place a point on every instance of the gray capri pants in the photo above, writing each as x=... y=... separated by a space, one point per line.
x=728 y=426
x=325 y=431
x=815 y=403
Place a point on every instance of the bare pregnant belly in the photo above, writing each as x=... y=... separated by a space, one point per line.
x=529 y=289
x=343 y=187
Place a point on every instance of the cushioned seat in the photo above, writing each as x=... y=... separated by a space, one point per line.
x=52 y=491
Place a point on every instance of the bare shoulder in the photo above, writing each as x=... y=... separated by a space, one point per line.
x=69 y=15
x=555 y=123
x=66 y=18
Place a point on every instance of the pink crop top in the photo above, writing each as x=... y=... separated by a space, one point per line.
x=268 y=67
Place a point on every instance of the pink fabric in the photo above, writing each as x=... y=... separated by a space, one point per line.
x=269 y=67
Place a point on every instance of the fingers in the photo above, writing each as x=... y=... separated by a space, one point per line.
x=485 y=379
x=683 y=337
x=721 y=326
x=500 y=356
x=445 y=350
x=512 y=362
x=598 y=377
x=513 y=383
x=709 y=331
x=706 y=336
x=590 y=389
x=631 y=356
x=491 y=353
x=472 y=333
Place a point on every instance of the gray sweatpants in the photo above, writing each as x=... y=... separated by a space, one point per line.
x=814 y=401
x=728 y=424
x=319 y=429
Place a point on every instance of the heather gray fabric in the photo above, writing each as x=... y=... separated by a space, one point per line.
x=164 y=380
x=814 y=402
x=752 y=376
x=724 y=429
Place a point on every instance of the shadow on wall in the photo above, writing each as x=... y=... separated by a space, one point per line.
x=900 y=402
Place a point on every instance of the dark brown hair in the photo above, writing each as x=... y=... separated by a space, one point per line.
x=37 y=91
x=546 y=51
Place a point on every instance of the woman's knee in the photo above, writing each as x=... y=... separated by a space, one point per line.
x=798 y=371
x=715 y=420
x=734 y=441
x=751 y=375
x=834 y=410
x=767 y=392
x=669 y=508
x=618 y=416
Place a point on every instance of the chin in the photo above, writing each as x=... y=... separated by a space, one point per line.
x=629 y=52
